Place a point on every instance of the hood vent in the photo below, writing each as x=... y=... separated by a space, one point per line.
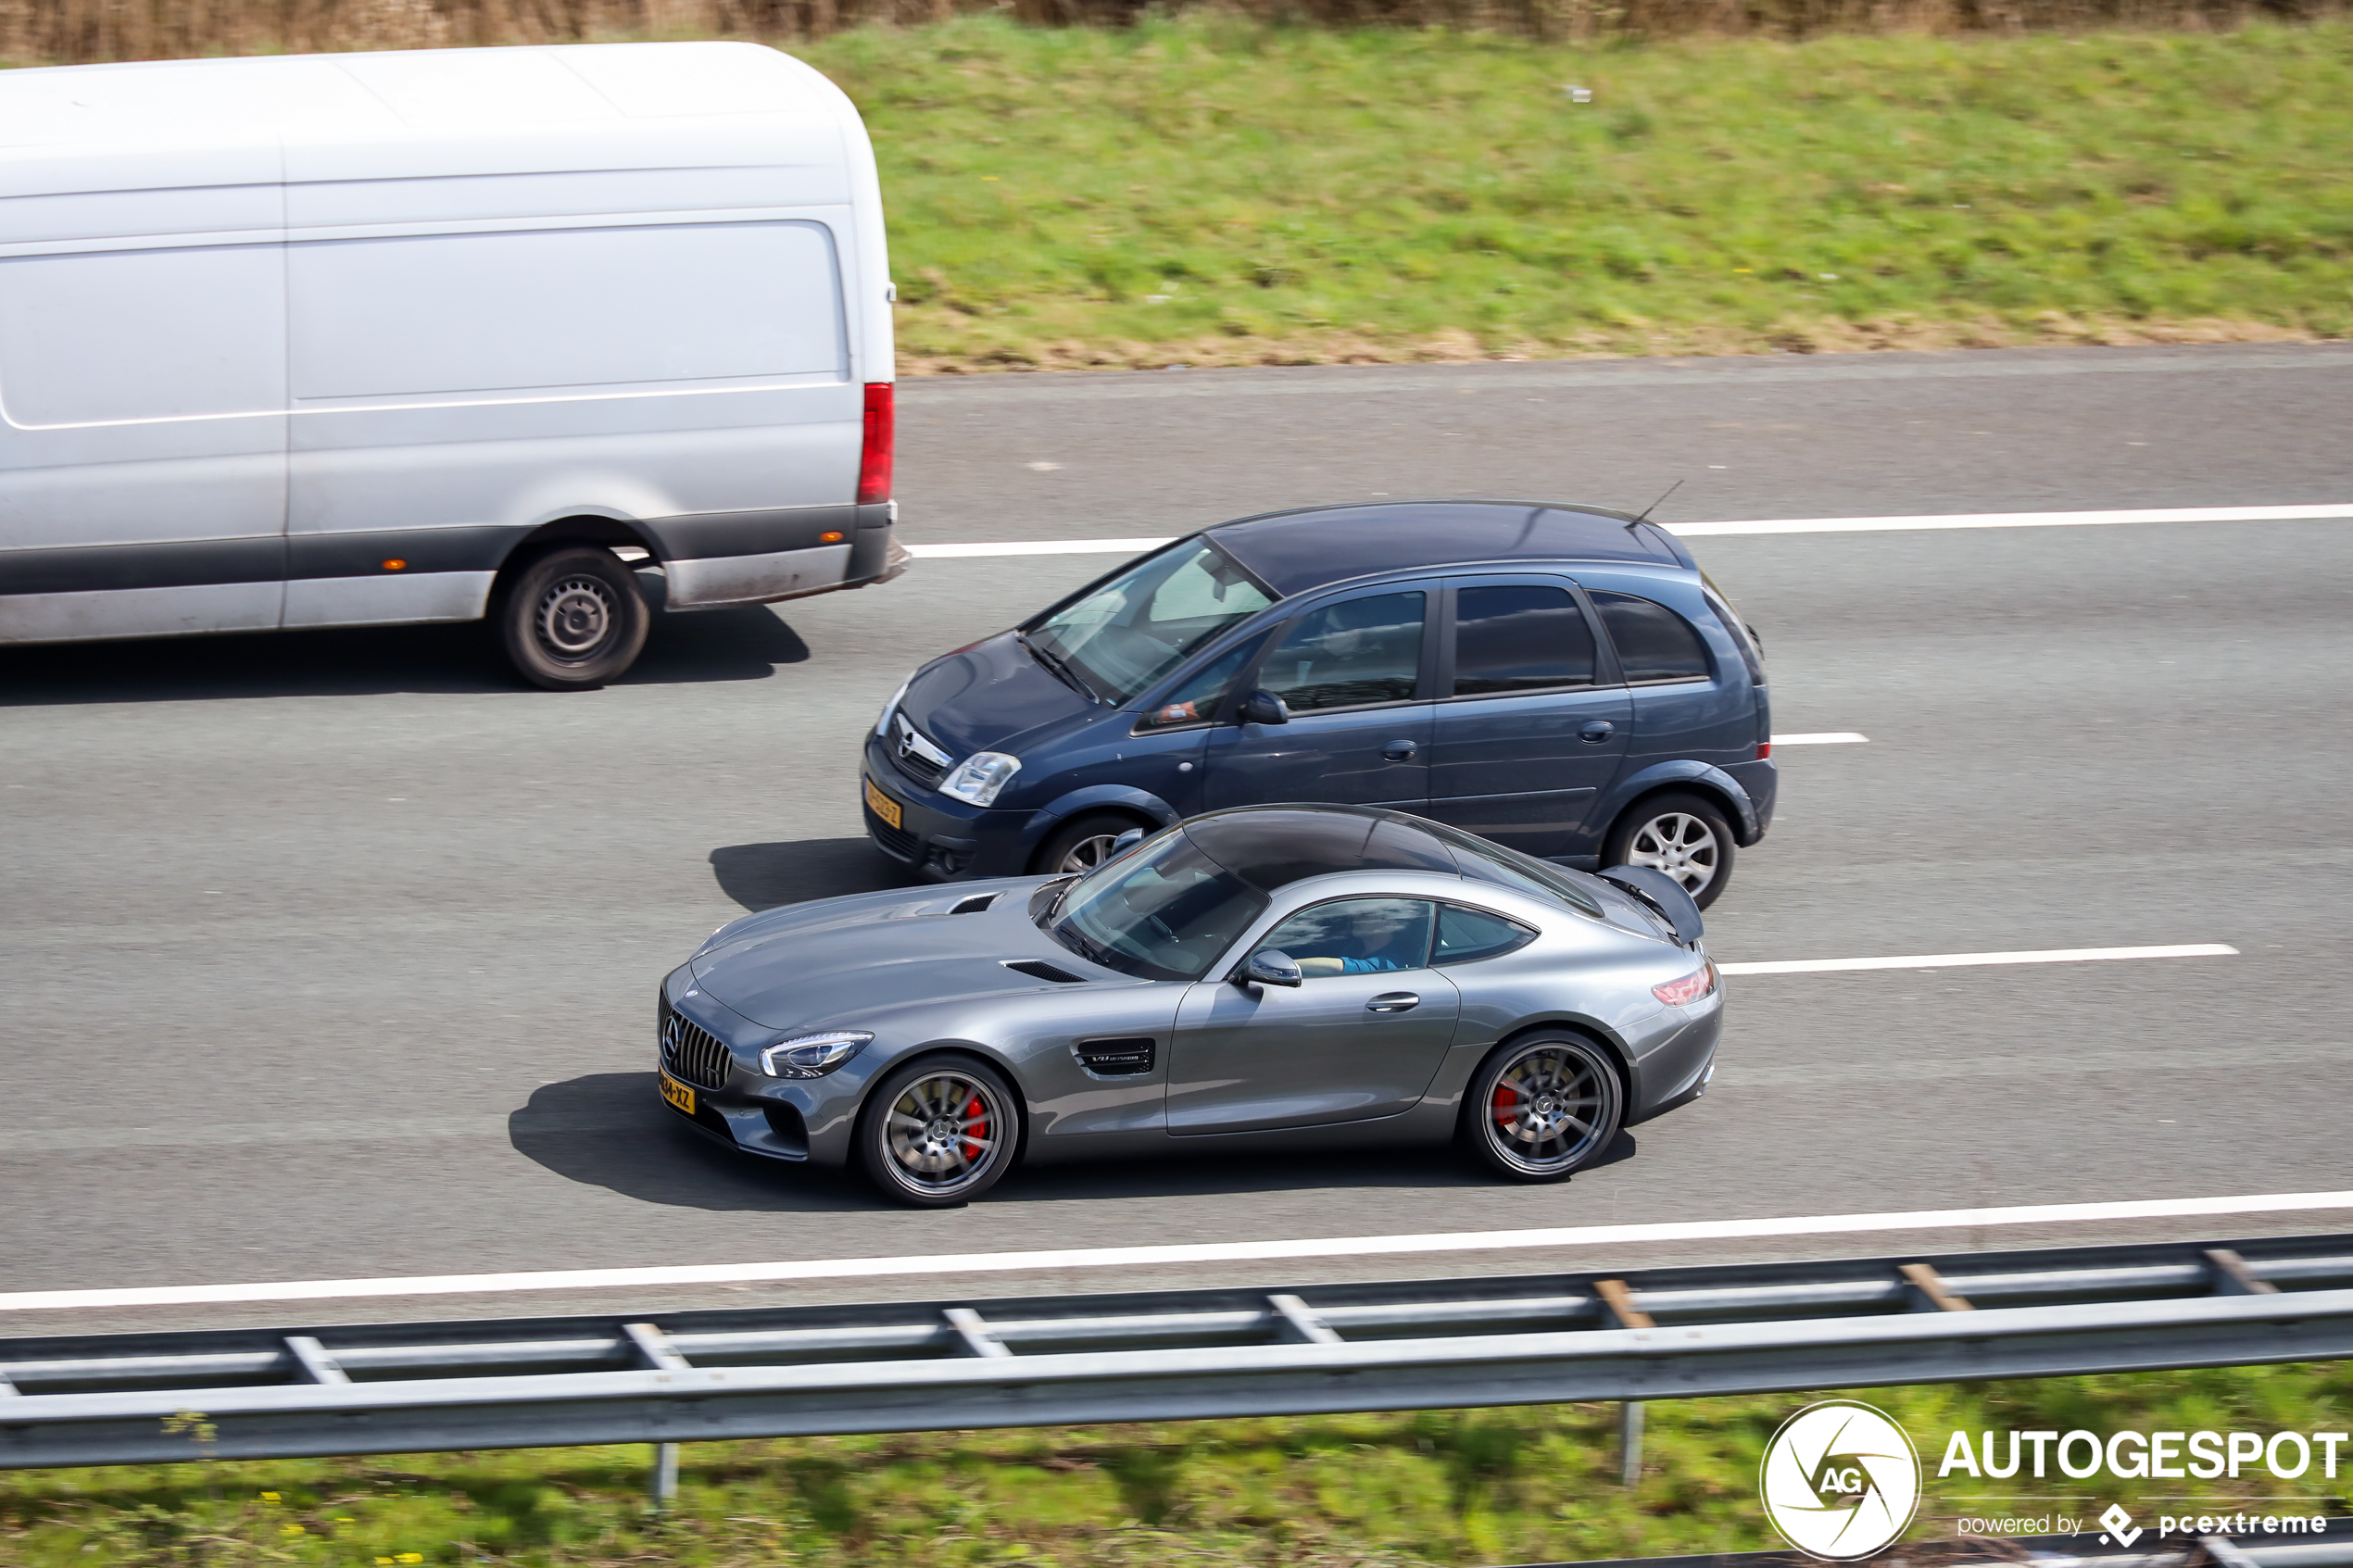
x=1037 y=968
x=972 y=905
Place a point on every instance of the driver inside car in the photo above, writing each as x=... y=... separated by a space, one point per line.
x=1357 y=936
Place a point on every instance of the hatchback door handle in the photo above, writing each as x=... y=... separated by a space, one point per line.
x=1596 y=730
x=1393 y=1001
x=1400 y=750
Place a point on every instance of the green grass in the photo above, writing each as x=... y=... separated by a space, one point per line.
x=1452 y=1488
x=1210 y=191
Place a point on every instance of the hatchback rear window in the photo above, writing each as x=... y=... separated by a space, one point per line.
x=1653 y=643
x=1519 y=637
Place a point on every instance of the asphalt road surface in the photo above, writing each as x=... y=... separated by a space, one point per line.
x=333 y=955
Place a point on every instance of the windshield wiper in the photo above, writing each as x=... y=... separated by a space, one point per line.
x=1061 y=671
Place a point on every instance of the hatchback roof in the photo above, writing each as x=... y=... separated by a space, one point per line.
x=1272 y=847
x=1295 y=551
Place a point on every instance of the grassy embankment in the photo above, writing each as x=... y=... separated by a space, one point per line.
x=1453 y=1488
x=1206 y=192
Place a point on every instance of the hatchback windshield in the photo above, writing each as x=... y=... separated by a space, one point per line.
x=1163 y=912
x=1134 y=629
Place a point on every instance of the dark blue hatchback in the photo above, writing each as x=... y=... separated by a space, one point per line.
x=1561 y=680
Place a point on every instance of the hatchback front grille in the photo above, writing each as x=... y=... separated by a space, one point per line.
x=916 y=756
x=693 y=1053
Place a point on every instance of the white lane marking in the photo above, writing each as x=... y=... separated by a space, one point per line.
x=1040 y=547
x=2012 y=520
x=1770 y=525
x=1960 y=961
x=1197 y=1253
x=1828 y=737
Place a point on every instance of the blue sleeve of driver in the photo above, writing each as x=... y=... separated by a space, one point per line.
x=1367 y=966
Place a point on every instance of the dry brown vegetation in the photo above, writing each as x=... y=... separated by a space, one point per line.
x=65 y=30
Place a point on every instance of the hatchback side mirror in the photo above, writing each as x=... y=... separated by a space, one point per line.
x=1268 y=967
x=1264 y=708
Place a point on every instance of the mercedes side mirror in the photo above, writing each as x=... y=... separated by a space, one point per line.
x=1124 y=842
x=1268 y=967
x=1264 y=708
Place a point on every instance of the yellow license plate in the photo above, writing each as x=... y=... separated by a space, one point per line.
x=882 y=805
x=677 y=1094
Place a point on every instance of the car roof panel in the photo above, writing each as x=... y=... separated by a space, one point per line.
x=1296 y=551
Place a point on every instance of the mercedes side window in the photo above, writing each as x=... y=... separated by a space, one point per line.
x=1653 y=643
x=1355 y=937
x=1519 y=637
x=1465 y=935
x=1195 y=699
x=1349 y=655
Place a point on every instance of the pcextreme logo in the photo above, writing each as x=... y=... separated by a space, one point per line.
x=1839 y=1480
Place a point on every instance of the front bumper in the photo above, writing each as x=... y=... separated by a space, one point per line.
x=938 y=838
x=804 y=1120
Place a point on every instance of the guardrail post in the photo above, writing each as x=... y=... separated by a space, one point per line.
x=665 y=1487
x=1630 y=1442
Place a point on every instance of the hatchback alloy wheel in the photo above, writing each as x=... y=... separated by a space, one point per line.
x=1679 y=843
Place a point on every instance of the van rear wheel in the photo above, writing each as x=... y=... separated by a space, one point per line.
x=573 y=619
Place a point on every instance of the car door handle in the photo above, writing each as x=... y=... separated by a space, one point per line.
x=1596 y=730
x=1400 y=750
x=1393 y=1001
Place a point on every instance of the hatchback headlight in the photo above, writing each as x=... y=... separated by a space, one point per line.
x=812 y=1056
x=981 y=777
x=882 y=725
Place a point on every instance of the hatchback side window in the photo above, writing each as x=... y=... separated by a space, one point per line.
x=1465 y=936
x=1195 y=699
x=1653 y=643
x=1519 y=637
x=1349 y=654
x=1357 y=936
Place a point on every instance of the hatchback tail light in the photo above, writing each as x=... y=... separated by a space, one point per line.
x=1763 y=749
x=1691 y=988
x=873 y=455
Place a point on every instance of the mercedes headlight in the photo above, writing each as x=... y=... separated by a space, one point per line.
x=981 y=777
x=812 y=1056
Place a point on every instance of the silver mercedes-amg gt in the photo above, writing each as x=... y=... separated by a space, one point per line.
x=1295 y=977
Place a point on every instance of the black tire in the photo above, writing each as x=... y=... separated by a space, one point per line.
x=1685 y=835
x=1080 y=843
x=572 y=618
x=917 y=1132
x=1543 y=1106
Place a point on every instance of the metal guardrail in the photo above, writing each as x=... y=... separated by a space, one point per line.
x=692 y=1377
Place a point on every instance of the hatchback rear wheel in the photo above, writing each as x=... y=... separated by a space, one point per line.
x=1684 y=835
x=1543 y=1108
x=938 y=1134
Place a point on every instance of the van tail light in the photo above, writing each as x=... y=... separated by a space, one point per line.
x=1763 y=749
x=873 y=455
x=1691 y=988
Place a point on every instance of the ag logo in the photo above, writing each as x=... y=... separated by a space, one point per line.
x=1839 y=1480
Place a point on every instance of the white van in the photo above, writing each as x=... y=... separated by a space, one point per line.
x=349 y=340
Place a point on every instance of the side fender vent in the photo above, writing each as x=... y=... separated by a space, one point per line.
x=972 y=905
x=1118 y=1058
x=1037 y=968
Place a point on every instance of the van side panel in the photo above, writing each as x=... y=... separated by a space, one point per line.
x=143 y=432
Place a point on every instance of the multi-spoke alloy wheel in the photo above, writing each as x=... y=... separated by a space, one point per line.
x=1080 y=844
x=1684 y=835
x=1543 y=1108
x=1088 y=853
x=939 y=1132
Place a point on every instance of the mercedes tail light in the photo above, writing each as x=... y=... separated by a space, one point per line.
x=873 y=455
x=1691 y=988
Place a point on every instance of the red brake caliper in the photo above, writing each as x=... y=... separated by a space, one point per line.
x=978 y=1127
x=1506 y=1103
